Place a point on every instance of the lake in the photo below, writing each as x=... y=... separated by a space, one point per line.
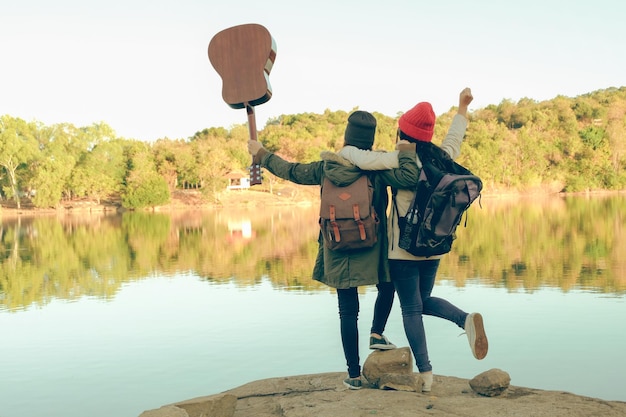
x=114 y=314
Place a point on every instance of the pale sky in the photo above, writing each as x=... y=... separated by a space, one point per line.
x=142 y=66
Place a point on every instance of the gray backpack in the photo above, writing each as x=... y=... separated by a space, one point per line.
x=444 y=192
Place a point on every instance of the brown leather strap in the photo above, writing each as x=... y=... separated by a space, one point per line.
x=362 y=229
x=355 y=212
x=336 y=231
x=333 y=223
x=357 y=219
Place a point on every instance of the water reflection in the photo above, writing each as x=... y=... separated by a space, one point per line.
x=523 y=244
x=567 y=243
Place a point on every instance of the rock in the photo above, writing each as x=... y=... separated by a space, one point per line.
x=165 y=411
x=391 y=369
x=323 y=395
x=221 y=405
x=490 y=383
x=400 y=382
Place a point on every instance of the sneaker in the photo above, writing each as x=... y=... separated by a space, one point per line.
x=476 y=336
x=381 y=344
x=352 y=383
x=427 y=378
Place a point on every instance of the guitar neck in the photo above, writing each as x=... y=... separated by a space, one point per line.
x=255 y=169
x=251 y=121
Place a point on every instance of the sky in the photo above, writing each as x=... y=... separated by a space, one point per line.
x=142 y=67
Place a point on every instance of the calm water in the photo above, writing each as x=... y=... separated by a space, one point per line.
x=114 y=315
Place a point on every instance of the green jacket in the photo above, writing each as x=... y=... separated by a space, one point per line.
x=346 y=269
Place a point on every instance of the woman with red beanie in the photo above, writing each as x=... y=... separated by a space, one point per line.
x=414 y=276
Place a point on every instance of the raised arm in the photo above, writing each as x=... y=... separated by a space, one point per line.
x=452 y=142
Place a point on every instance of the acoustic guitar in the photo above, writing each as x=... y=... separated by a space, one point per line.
x=243 y=57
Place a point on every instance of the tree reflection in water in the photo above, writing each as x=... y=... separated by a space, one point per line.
x=526 y=243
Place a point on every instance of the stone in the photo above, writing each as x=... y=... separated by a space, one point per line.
x=220 y=405
x=490 y=383
x=400 y=382
x=395 y=365
x=165 y=411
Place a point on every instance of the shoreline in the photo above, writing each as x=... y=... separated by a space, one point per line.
x=323 y=395
x=295 y=195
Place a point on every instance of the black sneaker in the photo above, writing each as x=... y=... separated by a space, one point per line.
x=381 y=344
x=352 y=383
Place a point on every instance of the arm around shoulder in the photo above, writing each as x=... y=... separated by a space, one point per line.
x=407 y=175
x=370 y=160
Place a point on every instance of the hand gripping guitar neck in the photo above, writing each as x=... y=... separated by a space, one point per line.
x=243 y=56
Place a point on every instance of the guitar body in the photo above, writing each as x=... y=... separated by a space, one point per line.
x=243 y=57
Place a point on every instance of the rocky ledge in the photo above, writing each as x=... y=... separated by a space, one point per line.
x=323 y=395
x=392 y=390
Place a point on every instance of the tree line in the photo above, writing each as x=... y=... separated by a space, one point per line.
x=564 y=144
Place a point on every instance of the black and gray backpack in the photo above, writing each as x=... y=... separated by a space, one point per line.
x=445 y=190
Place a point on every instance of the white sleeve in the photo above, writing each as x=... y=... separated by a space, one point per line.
x=370 y=160
x=454 y=138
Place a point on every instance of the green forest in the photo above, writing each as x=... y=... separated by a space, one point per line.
x=560 y=145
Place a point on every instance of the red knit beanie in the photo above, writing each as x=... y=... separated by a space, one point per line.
x=419 y=122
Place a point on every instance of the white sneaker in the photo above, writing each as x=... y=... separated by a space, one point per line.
x=427 y=378
x=476 y=335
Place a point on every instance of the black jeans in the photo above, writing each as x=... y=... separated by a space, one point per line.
x=349 y=315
